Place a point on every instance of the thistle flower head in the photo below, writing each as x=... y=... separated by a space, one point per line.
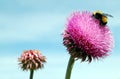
x=31 y=60
x=85 y=38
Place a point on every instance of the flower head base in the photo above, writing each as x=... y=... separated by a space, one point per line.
x=85 y=38
x=31 y=60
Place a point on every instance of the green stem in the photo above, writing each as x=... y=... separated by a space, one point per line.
x=31 y=73
x=69 y=68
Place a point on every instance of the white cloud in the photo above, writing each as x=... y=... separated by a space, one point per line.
x=56 y=65
x=30 y=26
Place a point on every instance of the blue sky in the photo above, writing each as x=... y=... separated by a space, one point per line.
x=37 y=24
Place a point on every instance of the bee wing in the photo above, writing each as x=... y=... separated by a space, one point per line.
x=105 y=14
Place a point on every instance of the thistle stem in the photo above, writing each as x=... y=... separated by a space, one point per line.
x=31 y=73
x=69 y=68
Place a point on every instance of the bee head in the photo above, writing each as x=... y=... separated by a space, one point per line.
x=97 y=12
x=97 y=15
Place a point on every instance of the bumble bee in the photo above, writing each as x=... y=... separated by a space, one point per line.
x=102 y=17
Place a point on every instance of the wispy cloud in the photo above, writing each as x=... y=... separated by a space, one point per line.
x=29 y=24
x=29 y=27
x=19 y=6
x=107 y=68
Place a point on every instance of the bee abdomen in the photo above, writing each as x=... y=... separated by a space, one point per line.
x=103 y=23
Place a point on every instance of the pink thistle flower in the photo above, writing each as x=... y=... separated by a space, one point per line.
x=85 y=38
x=31 y=60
